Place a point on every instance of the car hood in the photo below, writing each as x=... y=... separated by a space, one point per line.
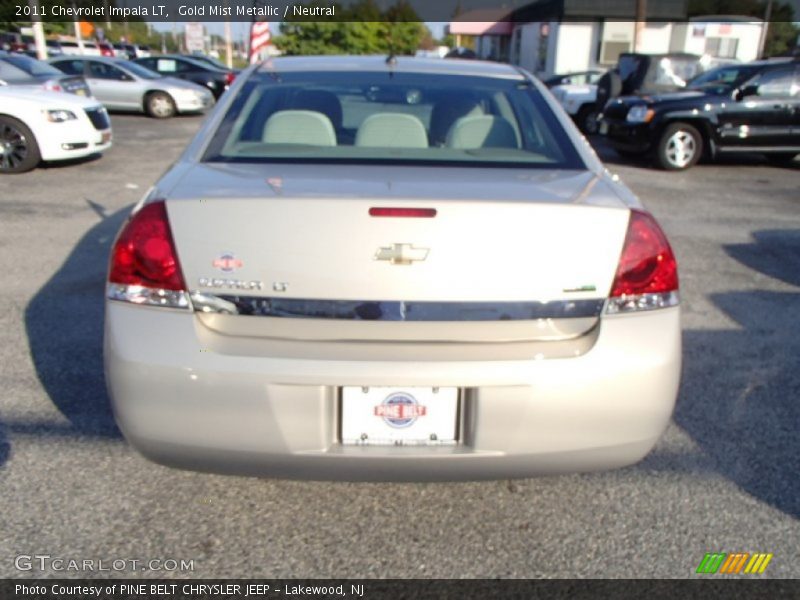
x=36 y=95
x=674 y=96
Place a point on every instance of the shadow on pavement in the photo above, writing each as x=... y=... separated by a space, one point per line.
x=5 y=448
x=64 y=323
x=740 y=387
x=61 y=164
x=776 y=253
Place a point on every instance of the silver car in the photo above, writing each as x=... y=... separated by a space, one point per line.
x=123 y=85
x=391 y=269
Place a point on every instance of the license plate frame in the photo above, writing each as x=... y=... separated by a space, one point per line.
x=399 y=415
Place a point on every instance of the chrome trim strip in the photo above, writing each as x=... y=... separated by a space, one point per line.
x=355 y=310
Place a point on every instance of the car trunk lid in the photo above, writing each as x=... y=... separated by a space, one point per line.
x=544 y=249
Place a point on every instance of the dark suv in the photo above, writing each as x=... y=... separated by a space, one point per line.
x=752 y=107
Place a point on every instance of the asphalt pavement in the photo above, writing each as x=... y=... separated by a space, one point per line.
x=724 y=478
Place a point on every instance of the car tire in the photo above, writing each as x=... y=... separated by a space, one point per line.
x=587 y=119
x=781 y=158
x=679 y=147
x=160 y=105
x=20 y=152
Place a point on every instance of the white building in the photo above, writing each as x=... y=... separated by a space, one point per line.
x=565 y=36
x=565 y=47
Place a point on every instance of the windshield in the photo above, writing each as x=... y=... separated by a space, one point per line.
x=31 y=66
x=392 y=118
x=722 y=79
x=139 y=70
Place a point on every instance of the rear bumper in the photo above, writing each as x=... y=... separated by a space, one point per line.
x=181 y=405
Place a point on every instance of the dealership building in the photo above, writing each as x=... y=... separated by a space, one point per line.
x=565 y=36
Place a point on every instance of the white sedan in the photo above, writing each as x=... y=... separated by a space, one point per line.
x=391 y=269
x=40 y=126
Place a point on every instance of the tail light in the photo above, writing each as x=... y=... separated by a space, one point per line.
x=229 y=77
x=52 y=86
x=144 y=264
x=647 y=274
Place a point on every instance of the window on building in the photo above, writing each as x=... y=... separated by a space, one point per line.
x=722 y=47
x=610 y=51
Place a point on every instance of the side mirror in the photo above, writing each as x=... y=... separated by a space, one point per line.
x=744 y=92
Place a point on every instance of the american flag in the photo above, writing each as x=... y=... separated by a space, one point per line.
x=259 y=39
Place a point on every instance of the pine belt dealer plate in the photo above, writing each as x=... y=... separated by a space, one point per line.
x=399 y=416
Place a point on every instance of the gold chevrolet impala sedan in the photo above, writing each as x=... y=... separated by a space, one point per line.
x=391 y=269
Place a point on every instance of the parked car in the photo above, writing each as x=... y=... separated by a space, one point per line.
x=15 y=42
x=589 y=77
x=106 y=49
x=71 y=48
x=21 y=70
x=124 y=51
x=580 y=102
x=462 y=53
x=577 y=93
x=214 y=62
x=49 y=126
x=319 y=288
x=752 y=107
x=188 y=68
x=54 y=48
x=128 y=86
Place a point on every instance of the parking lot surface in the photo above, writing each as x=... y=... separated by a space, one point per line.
x=724 y=478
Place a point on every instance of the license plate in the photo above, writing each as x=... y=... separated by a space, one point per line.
x=399 y=416
x=80 y=92
x=106 y=137
x=603 y=128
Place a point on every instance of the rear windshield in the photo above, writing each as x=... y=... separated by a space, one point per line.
x=31 y=66
x=394 y=118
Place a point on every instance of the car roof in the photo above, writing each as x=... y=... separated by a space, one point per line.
x=399 y=64
x=111 y=60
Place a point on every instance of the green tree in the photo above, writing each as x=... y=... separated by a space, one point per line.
x=364 y=29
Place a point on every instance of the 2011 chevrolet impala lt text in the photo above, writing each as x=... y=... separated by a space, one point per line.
x=369 y=268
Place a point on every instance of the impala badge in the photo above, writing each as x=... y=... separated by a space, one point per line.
x=402 y=254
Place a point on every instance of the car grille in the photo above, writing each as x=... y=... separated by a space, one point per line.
x=98 y=117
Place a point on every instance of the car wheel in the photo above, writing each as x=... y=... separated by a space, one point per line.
x=587 y=119
x=19 y=151
x=679 y=148
x=781 y=158
x=160 y=105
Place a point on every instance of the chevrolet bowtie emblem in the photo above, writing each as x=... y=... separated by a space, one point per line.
x=402 y=254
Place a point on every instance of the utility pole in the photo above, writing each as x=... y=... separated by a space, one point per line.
x=762 y=41
x=228 y=44
x=78 y=35
x=38 y=30
x=639 y=24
